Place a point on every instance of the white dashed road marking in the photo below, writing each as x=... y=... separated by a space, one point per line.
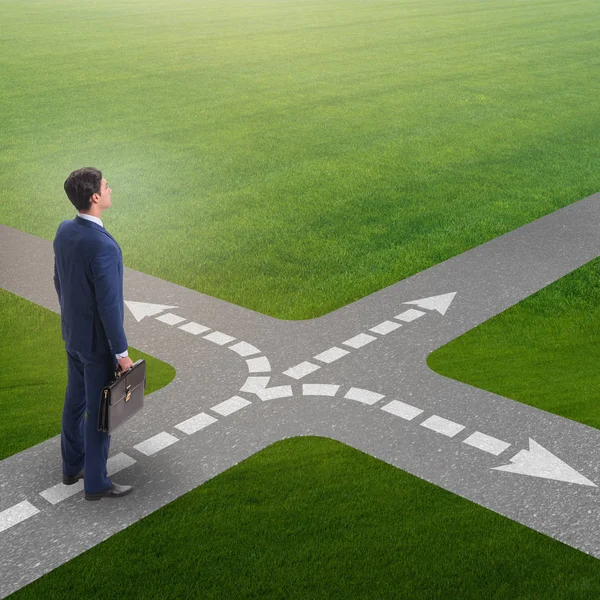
x=362 y=339
x=400 y=409
x=385 y=327
x=299 y=371
x=244 y=349
x=364 y=396
x=409 y=315
x=253 y=384
x=17 y=513
x=319 y=389
x=156 y=443
x=332 y=354
x=282 y=391
x=60 y=491
x=195 y=423
x=194 y=328
x=230 y=406
x=218 y=338
x=487 y=443
x=443 y=426
x=258 y=365
x=170 y=319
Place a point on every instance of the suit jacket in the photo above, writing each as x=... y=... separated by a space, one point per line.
x=88 y=277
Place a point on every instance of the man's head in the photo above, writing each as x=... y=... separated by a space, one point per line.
x=88 y=191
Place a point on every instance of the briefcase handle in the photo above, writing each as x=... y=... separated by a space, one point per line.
x=118 y=372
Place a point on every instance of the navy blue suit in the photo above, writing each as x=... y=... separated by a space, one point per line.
x=88 y=277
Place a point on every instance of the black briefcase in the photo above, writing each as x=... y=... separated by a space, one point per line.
x=122 y=397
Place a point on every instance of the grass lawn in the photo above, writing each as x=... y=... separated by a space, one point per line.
x=292 y=157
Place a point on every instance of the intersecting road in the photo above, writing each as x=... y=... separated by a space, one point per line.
x=358 y=375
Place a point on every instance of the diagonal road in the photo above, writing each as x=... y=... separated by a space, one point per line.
x=245 y=380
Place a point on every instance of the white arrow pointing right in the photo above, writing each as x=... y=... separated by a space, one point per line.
x=538 y=462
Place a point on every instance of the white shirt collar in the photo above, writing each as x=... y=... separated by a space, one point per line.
x=91 y=218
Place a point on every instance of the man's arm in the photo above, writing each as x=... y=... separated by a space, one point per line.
x=105 y=275
x=56 y=280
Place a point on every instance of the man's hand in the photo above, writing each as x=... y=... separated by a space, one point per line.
x=124 y=364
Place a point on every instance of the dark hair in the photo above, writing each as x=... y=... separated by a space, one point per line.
x=80 y=185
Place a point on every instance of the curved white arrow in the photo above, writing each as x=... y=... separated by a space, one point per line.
x=538 y=462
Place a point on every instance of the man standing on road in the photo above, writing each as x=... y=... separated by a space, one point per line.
x=88 y=277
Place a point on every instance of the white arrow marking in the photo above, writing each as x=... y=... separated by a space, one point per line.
x=439 y=303
x=538 y=462
x=144 y=309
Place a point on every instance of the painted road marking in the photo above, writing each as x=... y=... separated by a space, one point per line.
x=410 y=315
x=332 y=354
x=299 y=371
x=400 y=409
x=258 y=365
x=319 y=389
x=282 y=391
x=218 y=338
x=17 y=513
x=144 y=309
x=385 y=327
x=59 y=492
x=244 y=349
x=230 y=406
x=156 y=443
x=443 y=426
x=439 y=303
x=195 y=423
x=365 y=396
x=539 y=462
x=118 y=462
x=253 y=384
x=362 y=339
x=170 y=319
x=535 y=462
x=194 y=328
x=487 y=443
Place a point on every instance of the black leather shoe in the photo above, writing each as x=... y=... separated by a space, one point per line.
x=114 y=491
x=70 y=480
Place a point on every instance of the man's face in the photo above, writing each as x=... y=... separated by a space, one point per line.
x=103 y=198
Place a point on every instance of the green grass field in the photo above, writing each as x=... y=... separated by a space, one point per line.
x=292 y=157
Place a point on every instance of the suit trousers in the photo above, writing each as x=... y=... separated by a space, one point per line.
x=82 y=445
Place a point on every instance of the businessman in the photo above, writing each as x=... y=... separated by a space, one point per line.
x=88 y=277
